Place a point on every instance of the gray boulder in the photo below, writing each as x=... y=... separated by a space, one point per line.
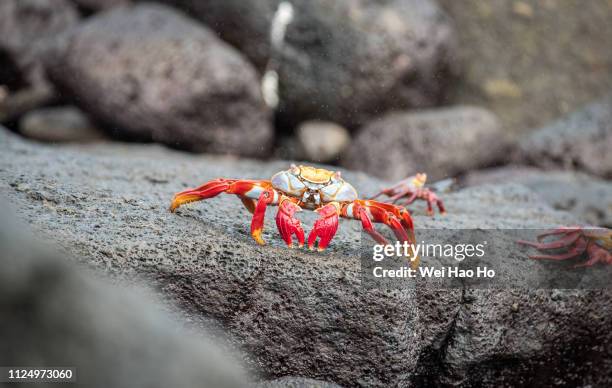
x=582 y=141
x=302 y=313
x=147 y=71
x=441 y=142
x=27 y=27
x=342 y=61
x=588 y=198
x=115 y=336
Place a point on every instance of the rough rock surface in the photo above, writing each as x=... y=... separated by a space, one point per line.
x=300 y=313
x=148 y=71
x=59 y=124
x=343 y=61
x=582 y=140
x=440 y=142
x=531 y=62
x=54 y=315
x=588 y=198
x=295 y=382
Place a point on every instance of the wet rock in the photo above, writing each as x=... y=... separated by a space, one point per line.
x=588 y=198
x=295 y=382
x=582 y=141
x=302 y=313
x=441 y=142
x=322 y=141
x=547 y=73
x=55 y=315
x=27 y=27
x=147 y=71
x=331 y=63
x=62 y=124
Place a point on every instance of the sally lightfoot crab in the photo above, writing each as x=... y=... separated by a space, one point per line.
x=576 y=240
x=305 y=187
x=411 y=189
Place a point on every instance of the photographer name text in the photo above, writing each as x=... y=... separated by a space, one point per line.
x=433 y=272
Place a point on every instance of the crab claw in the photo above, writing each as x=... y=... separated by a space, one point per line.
x=325 y=227
x=287 y=224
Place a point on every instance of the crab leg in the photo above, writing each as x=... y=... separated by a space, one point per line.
x=255 y=195
x=578 y=248
x=395 y=217
x=325 y=227
x=565 y=241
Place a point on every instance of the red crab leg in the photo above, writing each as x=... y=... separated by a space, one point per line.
x=325 y=227
x=396 y=217
x=286 y=222
x=566 y=241
x=561 y=230
x=596 y=254
x=247 y=190
x=577 y=249
x=265 y=198
x=244 y=188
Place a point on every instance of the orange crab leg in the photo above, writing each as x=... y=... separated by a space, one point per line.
x=265 y=198
x=325 y=227
x=243 y=188
x=249 y=191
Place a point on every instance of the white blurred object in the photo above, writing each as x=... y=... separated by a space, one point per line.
x=269 y=83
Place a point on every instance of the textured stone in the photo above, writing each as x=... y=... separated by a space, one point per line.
x=301 y=313
x=440 y=142
x=582 y=141
x=114 y=335
x=343 y=61
x=588 y=198
x=147 y=71
x=295 y=382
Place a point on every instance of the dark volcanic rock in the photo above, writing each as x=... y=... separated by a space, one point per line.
x=115 y=336
x=588 y=198
x=343 y=61
x=301 y=313
x=441 y=143
x=149 y=72
x=582 y=140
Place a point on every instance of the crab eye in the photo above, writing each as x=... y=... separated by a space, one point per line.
x=295 y=170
